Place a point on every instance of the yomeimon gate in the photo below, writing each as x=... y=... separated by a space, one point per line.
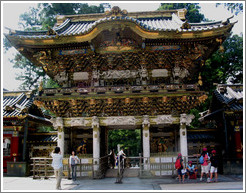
x=138 y=70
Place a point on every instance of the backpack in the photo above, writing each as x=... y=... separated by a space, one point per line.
x=201 y=160
x=178 y=164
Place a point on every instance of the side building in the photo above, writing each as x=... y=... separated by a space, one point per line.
x=21 y=118
x=226 y=113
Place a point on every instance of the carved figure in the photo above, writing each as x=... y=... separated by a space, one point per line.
x=186 y=119
x=57 y=122
x=95 y=122
x=146 y=121
x=179 y=73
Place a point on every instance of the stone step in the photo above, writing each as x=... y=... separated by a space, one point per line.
x=131 y=172
x=111 y=173
x=128 y=172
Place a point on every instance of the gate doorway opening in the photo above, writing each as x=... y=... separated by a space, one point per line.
x=129 y=139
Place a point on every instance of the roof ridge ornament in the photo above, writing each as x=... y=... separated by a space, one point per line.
x=116 y=11
x=51 y=31
x=227 y=21
x=186 y=25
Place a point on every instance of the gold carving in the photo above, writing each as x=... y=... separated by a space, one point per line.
x=51 y=31
x=186 y=25
x=116 y=11
x=127 y=100
x=200 y=79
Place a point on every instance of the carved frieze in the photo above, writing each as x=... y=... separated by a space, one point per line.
x=164 y=119
x=160 y=73
x=118 y=74
x=80 y=76
x=127 y=120
x=78 y=122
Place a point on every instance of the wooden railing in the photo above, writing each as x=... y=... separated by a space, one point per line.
x=41 y=167
x=102 y=164
x=164 y=167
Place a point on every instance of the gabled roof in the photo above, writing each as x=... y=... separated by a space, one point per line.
x=169 y=21
x=17 y=103
x=230 y=96
x=14 y=103
x=70 y=28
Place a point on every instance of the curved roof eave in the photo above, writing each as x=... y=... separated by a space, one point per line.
x=105 y=24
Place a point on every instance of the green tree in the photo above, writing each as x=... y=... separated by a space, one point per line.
x=31 y=76
x=193 y=15
x=222 y=67
x=226 y=65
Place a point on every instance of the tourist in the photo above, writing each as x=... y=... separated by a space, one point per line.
x=57 y=165
x=121 y=154
x=112 y=158
x=191 y=170
x=205 y=165
x=73 y=160
x=180 y=167
x=214 y=166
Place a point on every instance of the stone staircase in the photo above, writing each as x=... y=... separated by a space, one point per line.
x=128 y=172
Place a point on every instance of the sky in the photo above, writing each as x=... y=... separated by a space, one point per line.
x=10 y=19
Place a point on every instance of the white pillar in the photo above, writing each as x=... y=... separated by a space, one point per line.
x=183 y=140
x=184 y=120
x=146 y=141
x=96 y=141
x=60 y=141
x=58 y=125
x=146 y=146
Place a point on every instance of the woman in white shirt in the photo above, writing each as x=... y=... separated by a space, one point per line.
x=57 y=165
x=73 y=160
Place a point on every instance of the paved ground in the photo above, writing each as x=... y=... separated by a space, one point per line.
x=168 y=183
x=204 y=186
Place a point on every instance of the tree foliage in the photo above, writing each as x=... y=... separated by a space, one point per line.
x=31 y=76
x=226 y=66
x=222 y=67
x=193 y=15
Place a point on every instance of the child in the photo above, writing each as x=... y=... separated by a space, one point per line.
x=191 y=169
x=214 y=166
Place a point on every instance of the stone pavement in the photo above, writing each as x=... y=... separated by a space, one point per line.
x=165 y=183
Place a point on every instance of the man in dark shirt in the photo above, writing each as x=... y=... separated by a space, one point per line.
x=214 y=166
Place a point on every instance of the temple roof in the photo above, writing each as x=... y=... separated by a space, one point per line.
x=18 y=103
x=68 y=27
x=149 y=22
x=230 y=95
x=227 y=98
